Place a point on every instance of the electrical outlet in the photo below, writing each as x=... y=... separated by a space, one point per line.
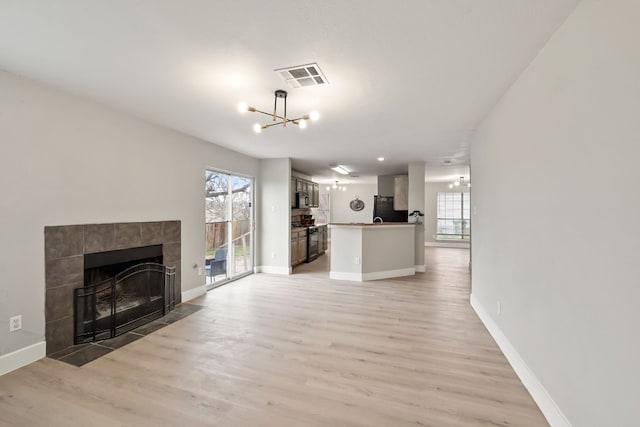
x=498 y=308
x=15 y=323
x=200 y=271
x=273 y=255
x=357 y=260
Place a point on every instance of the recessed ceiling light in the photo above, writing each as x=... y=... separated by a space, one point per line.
x=381 y=159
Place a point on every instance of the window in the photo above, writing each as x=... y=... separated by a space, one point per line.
x=323 y=210
x=454 y=220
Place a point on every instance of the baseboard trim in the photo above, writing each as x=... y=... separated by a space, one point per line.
x=447 y=245
x=388 y=274
x=420 y=268
x=353 y=277
x=270 y=269
x=19 y=358
x=376 y=275
x=193 y=293
x=549 y=408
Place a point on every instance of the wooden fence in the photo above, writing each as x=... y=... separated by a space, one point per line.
x=216 y=232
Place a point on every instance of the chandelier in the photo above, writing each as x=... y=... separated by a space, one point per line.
x=336 y=187
x=460 y=183
x=301 y=122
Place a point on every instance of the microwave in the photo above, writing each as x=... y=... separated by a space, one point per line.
x=302 y=200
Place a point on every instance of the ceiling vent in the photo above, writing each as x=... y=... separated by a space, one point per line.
x=302 y=75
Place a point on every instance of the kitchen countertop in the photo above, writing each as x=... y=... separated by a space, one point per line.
x=304 y=227
x=369 y=224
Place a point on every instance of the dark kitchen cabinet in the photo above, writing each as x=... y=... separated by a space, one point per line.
x=322 y=239
x=302 y=248
x=299 y=185
x=298 y=246
x=293 y=190
x=302 y=185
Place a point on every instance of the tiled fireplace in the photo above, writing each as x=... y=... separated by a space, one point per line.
x=65 y=250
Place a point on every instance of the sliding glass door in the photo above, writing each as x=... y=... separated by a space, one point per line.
x=228 y=227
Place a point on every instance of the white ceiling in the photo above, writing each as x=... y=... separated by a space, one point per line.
x=409 y=80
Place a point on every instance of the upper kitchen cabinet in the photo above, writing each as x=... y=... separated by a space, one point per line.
x=401 y=193
x=315 y=195
x=309 y=188
x=293 y=190
x=302 y=185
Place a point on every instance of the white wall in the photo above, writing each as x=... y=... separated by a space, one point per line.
x=555 y=238
x=416 y=203
x=274 y=216
x=340 y=210
x=64 y=161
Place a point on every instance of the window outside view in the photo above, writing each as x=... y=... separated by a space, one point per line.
x=227 y=219
x=323 y=210
x=454 y=219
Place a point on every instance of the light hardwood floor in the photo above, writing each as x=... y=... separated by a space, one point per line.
x=298 y=350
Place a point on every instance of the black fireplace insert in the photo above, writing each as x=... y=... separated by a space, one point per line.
x=123 y=290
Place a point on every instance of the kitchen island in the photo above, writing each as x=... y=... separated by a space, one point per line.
x=362 y=251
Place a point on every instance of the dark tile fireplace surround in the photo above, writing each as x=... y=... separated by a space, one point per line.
x=65 y=250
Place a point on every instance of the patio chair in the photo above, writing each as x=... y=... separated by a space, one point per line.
x=217 y=265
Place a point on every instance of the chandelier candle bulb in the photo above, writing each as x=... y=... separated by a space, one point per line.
x=337 y=187
x=459 y=183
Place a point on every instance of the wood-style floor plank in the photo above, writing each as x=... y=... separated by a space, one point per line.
x=299 y=350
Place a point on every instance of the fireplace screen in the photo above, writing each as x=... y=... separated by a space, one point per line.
x=133 y=297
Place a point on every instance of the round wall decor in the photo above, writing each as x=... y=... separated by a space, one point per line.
x=356 y=204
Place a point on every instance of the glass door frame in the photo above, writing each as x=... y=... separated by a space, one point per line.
x=231 y=276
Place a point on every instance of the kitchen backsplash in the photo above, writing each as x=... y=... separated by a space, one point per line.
x=297 y=215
